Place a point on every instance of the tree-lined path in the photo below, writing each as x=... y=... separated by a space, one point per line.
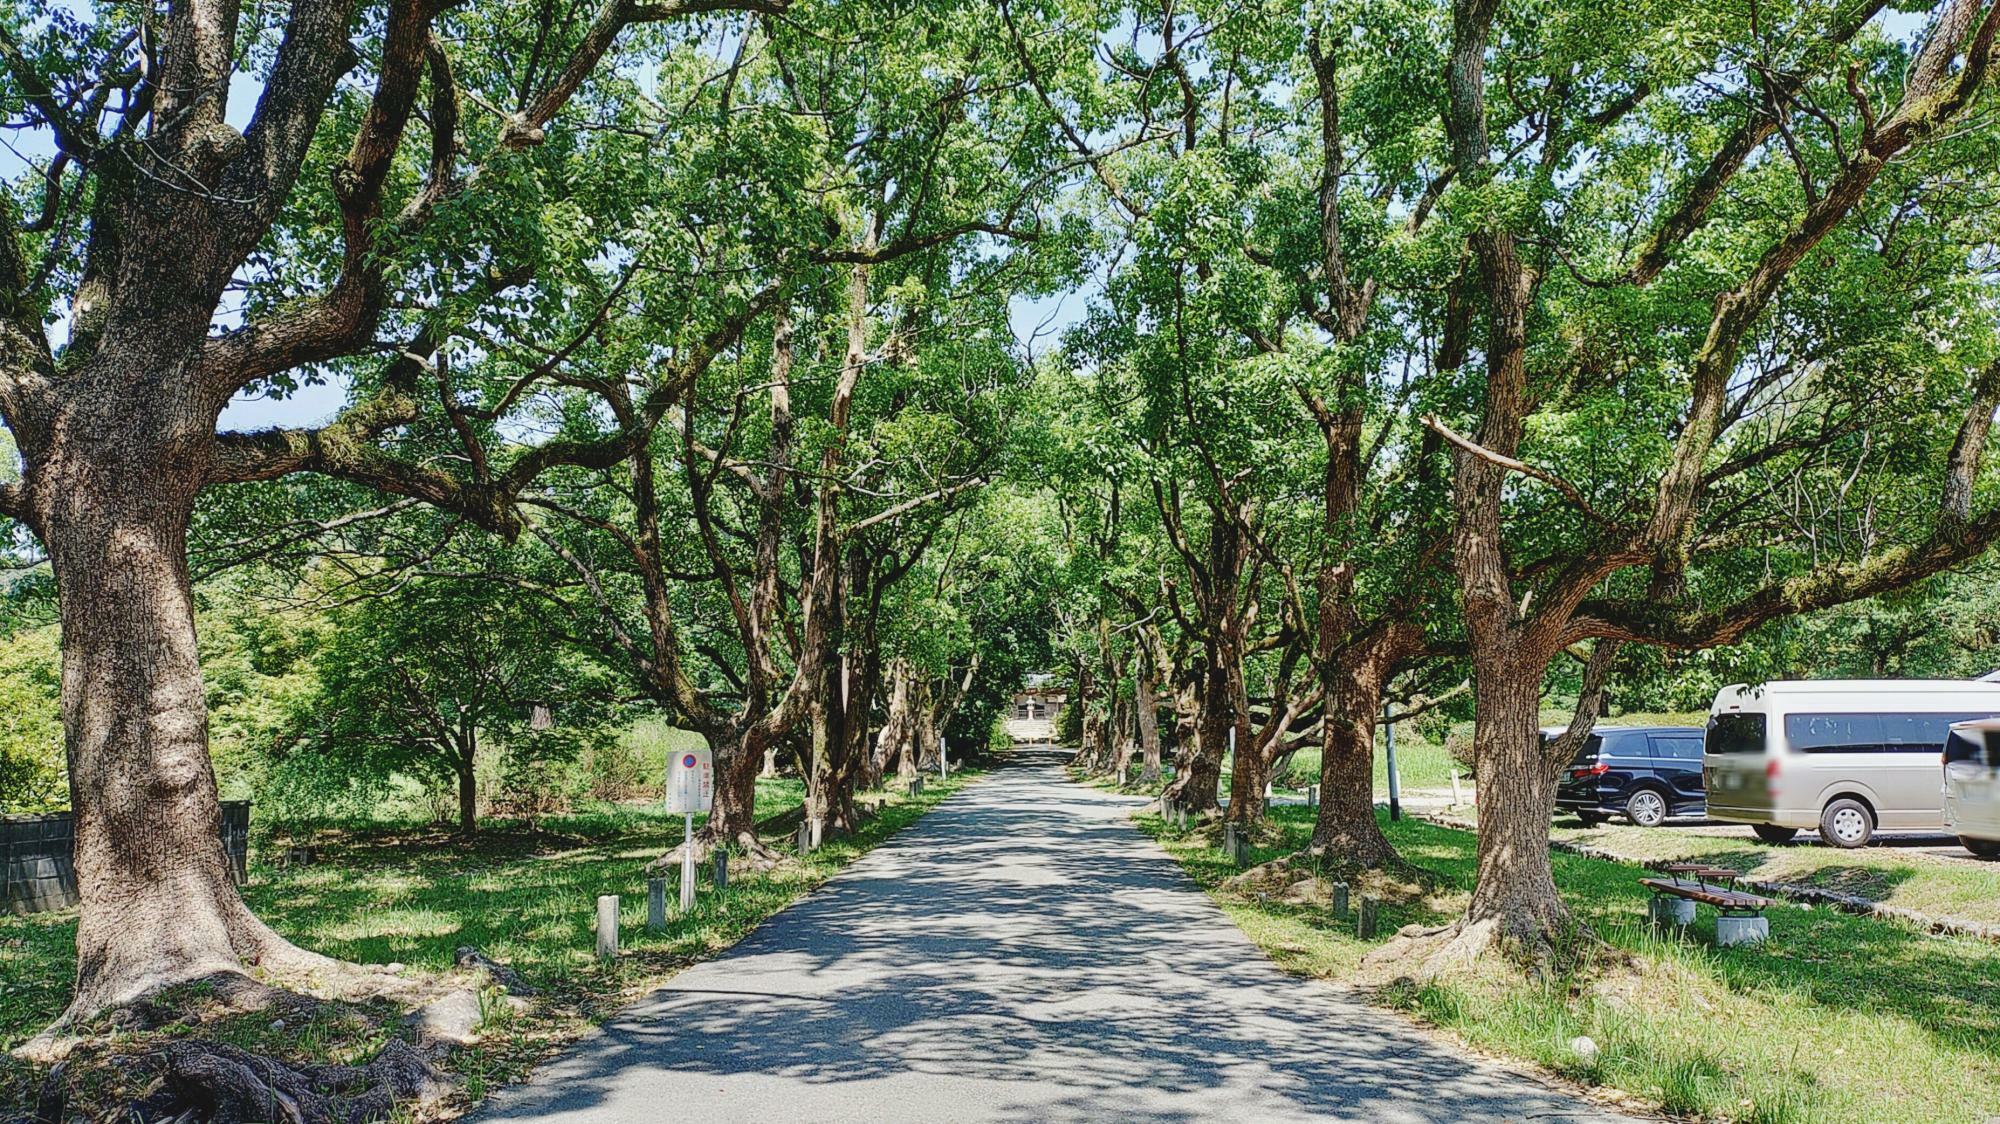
x=1021 y=954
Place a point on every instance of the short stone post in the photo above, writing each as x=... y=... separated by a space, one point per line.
x=1235 y=845
x=721 y=870
x=1731 y=931
x=607 y=926
x=1457 y=797
x=1312 y=796
x=1671 y=913
x=656 y=905
x=1364 y=921
x=805 y=837
x=1340 y=901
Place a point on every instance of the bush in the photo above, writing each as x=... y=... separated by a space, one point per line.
x=33 y=767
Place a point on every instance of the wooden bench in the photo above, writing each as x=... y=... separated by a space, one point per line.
x=1729 y=901
x=1740 y=915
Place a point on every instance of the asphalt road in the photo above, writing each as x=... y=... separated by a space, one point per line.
x=1020 y=954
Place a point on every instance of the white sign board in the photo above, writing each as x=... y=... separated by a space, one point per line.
x=690 y=781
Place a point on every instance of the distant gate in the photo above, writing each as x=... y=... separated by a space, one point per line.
x=38 y=865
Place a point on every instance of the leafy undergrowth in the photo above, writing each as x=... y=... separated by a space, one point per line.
x=525 y=898
x=1838 y=1018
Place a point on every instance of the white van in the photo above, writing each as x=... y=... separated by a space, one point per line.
x=1972 y=786
x=1844 y=756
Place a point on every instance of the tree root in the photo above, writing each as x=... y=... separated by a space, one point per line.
x=1467 y=947
x=216 y=1083
x=747 y=853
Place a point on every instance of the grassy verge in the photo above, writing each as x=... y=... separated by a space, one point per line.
x=1839 y=1018
x=1419 y=764
x=527 y=898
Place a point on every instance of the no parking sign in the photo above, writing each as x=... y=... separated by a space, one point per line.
x=690 y=781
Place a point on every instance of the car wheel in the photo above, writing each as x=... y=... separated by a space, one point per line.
x=1591 y=819
x=1646 y=808
x=1772 y=833
x=1984 y=848
x=1847 y=823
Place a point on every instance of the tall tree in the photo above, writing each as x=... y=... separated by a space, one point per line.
x=184 y=259
x=1739 y=353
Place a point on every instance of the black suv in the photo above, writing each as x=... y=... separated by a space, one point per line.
x=1644 y=773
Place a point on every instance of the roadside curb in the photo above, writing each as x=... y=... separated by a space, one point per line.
x=1803 y=895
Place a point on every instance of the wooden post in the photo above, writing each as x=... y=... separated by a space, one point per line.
x=607 y=926
x=656 y=905
x=1364 y=922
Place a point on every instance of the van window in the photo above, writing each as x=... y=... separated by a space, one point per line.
x=1736 y=733
x=1868 y=733
x=1834 y=733
x=1586 y=754
x=1976 y=745
x=1679 y=748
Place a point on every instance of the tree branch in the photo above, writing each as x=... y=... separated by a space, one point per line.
x=1570 y=491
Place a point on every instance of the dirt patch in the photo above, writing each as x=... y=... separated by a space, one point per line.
x=1298 y=879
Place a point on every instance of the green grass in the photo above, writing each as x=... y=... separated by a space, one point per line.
x=526 y=899
x=1419 y=764
x=1937 y=887
x=1839 y=1018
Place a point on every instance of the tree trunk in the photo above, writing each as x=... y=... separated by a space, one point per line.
x=1514 y=894
x=732 y=819
x=1146 y=715
x=1197 y=757
x=1346 y=829
x=1246 y=767
x=1201 y=770
x=468 y=792
x=159 y=906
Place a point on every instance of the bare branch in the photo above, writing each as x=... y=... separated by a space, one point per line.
x=910 y=505
x=1570 y=491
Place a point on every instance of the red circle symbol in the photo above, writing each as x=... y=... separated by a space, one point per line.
x=687 y=762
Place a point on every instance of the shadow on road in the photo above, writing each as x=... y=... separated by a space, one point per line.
x=1021 y=954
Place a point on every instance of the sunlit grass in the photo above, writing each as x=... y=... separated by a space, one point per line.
x=525 y=899
x=1839 y=1018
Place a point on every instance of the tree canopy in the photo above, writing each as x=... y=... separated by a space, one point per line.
x=1459 y=355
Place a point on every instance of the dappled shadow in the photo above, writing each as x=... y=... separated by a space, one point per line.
x=1021 y=954
x=1839 y=961
x=1874 y=883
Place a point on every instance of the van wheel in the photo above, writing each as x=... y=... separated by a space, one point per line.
x=1984 y=848
x=1646 y=808
x=1772 y=833
x=1847 y=823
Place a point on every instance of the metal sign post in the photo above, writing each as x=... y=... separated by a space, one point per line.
x=1389 y=740
x=690 y=789
x=687 y=866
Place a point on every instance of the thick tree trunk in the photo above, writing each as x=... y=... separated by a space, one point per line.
x=1146 y=715
x=1346 y=829
x=159 y=906
x=1124 y=722
x=732 y=819
x=1201 y=770
x=1514 y=894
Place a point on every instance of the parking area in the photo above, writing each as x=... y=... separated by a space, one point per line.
x=1921 y=845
